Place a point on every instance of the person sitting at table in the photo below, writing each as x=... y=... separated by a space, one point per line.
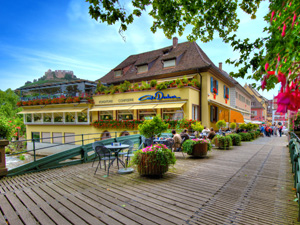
x=184 y=134
x=177 y=140
x=211 y=134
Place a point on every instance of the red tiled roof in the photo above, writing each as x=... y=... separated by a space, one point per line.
x=189 y=56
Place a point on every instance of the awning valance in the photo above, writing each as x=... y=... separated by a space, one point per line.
x=227 y=106
x=110 y=108
x=53 y=110
x=169 y=105
x=148 y=106
x=236 y=117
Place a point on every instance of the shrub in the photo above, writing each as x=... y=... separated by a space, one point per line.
x=22 y=157
x=245 y=136
x=153 y=83
x=232 y=125
x=221 y=124
x=188 y=145
x=5 y=129
x=197 y=127
x=224 y=142
x=252 y=135
x=236 y=139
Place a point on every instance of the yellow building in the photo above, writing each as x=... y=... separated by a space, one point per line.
x=261 y=99
x=189 y=86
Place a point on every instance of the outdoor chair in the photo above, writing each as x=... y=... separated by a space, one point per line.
x=148 y=142
x=129 y=153
x=94 y=145
x=105 y=155
x=169 y=143
x=142 y=142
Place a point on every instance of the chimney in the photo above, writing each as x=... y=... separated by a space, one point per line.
x=175 y=42
x=220 y=66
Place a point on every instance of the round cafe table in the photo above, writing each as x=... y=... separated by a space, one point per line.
x=116 y=149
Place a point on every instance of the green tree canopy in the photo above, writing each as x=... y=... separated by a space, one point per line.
x=277 y=48
x=8 y=104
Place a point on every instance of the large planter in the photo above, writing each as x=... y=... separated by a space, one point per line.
x=199 y=150
x=148 y=166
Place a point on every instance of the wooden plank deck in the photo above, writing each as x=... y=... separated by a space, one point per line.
x=249 y=184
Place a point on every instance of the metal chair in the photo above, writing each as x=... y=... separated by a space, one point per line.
x=105 y=155
x=169 y=143
x=148 y=142
x=94 y=145
x=130 y=151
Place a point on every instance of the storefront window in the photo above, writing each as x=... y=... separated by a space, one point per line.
x=172 y=114
x=195 y=112
x=125 y=114
x=35 y=136
x=69 y=117
x=82 y=117
x=47 y=118
x=37 y=117
x=28 y=118
x=58 y=117
x=147 y=114
x=106 y=115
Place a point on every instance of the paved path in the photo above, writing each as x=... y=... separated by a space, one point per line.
x=249 y=184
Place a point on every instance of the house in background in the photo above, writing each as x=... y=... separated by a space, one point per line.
x=241 y=99
x=264 y=102
x=278 y=117
x=257 y=110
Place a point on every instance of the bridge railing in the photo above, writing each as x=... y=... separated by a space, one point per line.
x=294 y=149
x=78 y=154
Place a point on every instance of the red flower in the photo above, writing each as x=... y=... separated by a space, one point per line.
x=215 y=91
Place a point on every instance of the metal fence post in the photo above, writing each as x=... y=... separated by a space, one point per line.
x=116 y=134
x=33 y=143
x=82 y=140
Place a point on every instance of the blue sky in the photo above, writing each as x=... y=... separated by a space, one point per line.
x=60 y=35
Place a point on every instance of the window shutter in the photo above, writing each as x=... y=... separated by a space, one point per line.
x=224 y=91
x=228 y=92
x=211 y=84
x=217 y=87
x=211 y=113
x=217 y=113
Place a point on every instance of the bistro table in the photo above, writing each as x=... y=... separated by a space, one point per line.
x=159 y=141
x=116 y=149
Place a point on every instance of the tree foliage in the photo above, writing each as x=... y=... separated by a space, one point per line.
x=209 y=18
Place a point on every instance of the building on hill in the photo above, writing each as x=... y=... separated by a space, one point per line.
x=185 y=84
x=50 y=75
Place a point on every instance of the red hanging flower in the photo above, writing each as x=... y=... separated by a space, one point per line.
x=215 y=91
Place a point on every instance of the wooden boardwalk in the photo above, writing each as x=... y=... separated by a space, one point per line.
x=249 y=184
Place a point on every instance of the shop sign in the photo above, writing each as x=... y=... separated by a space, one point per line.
x=158 y=96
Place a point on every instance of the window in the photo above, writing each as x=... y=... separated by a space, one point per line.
x=169 y=63
x=82 y=117
x=172 y=114
x=69 y=117
x=105 y=115
x=125 y=115
x=146 y=114
x=118 y=73
x=70 y=138
x=247 y=102
x=242 y=98
x=214 y=113
x=46 y=137
x=37 y=117
x=214 y=84
x=236 y=95
x=226 y=92
x=28 y=118
x=58 y=117
x=142 y=69
x=35 y=136
x=57 y=137
x=47 y=118
x=254 y=113
x=195 y=112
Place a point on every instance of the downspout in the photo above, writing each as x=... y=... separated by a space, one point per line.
x=200 y=97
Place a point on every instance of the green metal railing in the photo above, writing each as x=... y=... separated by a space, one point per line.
x=76 y=155
x=294 y=148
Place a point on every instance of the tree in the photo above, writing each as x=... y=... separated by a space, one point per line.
x=270 y=59
x=68 y=76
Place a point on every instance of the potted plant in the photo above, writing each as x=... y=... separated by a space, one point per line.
x=196 y=147
x=232 y=126
x=215 y=92
x=197 y=127
x=224 y=142
x=135 y=86
x=221 y=124
x=236 y=139
x=153 y=83
x=153 y=160
x=145 y=85
x=150 y=128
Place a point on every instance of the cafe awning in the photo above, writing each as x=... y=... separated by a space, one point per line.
x=236 y=117
x=29 y=111
x=169 y=105
x=51 y=110
x=110 y=108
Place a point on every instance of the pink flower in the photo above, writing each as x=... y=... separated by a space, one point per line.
x=263 y=83
x=273 y=13
x=294 y=18
x=18 y=128
x=283 y=30
x=266 y=66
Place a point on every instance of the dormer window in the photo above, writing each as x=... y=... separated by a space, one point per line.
x=169 y=63
x=142 y=68
x=118 y=73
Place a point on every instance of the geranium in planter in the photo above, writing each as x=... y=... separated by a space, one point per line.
x=224 y=142
x=196 y=147
x=153 y=160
